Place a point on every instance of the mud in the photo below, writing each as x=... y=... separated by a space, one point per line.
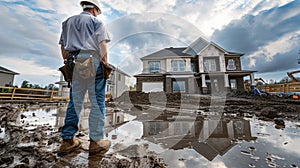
x=36 y=146
x=265 y=107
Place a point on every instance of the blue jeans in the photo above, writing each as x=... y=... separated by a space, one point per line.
x=96 y=87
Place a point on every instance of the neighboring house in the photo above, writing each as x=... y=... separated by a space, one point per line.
x=117 y=83
x=7 y=77
x=203 y=67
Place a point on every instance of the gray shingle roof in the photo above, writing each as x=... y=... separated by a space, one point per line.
x=7 y=71
x=201 y=43
x=197 y=46
x=168 y=52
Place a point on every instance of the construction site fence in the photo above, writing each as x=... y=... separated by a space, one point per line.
x=15 y=93
x=282 y=88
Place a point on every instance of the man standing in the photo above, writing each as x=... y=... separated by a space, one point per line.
x=84 y=37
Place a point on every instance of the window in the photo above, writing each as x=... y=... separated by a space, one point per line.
x=154 y=66
x=155 y=128
x=231 y=65
x=178 y=65
x=119 y=77
x=178 y=86
x=193 y=67
x=233 y=84
x=210 y=65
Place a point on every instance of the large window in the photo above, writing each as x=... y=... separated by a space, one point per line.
x=231 y=65
x=154 y=66
x=179 y=86
x=210 y=65
x=178 y=65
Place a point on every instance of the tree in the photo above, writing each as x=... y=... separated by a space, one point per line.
x=25 y=84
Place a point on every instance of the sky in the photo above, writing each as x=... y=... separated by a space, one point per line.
x=267 y=31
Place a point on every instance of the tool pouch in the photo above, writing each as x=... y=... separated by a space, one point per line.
x=106 y=70
x=67 y=72
x=84 y=68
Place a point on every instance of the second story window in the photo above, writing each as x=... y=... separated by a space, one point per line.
x=231 y=65
x=154 y=66
x=210 y=65
x=178 y=65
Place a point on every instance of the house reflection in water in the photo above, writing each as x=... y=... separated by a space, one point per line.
x=112 y=120
x=208 y=137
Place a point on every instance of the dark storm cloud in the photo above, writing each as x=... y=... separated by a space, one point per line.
x=251 y=32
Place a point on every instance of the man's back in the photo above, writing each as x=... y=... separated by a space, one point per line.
x=80 y=32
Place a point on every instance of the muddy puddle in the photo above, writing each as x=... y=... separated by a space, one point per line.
x=187 y=140
x=179 y=141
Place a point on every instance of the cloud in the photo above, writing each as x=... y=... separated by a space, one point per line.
x=30 y=71
x=30 y=29
x=270 y=39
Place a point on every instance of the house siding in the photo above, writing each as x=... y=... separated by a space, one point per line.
x=6 y=79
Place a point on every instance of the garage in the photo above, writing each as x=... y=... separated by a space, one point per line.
x=153 y=87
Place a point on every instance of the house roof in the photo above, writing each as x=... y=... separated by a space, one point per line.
x=7 y=71
x=168 y=52
x=196 y=46
x=119 y=70
x=201 y=43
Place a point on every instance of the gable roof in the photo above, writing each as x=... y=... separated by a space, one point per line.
x=196 y=46
x=201 y=43
x=7 y=71
x=168 y=52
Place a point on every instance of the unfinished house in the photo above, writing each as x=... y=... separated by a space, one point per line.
x=7 y=77
x=201 y=68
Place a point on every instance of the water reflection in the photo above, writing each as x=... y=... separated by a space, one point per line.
x=221 y=135
x=186 y=141
x=113 y=119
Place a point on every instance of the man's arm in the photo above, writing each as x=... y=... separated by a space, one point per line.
x=63 y=52
x=103 y=51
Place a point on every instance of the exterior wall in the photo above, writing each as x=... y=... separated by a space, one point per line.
x=117 y=84
x=240 y=84
x=168 y=85
x=191 y=85
x=6 y=79
x=212 y=52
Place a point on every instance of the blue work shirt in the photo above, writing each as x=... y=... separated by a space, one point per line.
x=83 y=32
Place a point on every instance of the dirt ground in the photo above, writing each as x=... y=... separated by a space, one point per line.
x=21 y=147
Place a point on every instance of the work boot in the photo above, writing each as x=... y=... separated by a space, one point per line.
x=100 y=146
x=68 y=146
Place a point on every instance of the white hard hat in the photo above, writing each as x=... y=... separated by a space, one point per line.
x=94 y=2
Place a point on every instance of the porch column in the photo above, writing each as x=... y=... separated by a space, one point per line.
x=252 y=79
x=226 y=80
x=204 y=86
x=203 y=81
